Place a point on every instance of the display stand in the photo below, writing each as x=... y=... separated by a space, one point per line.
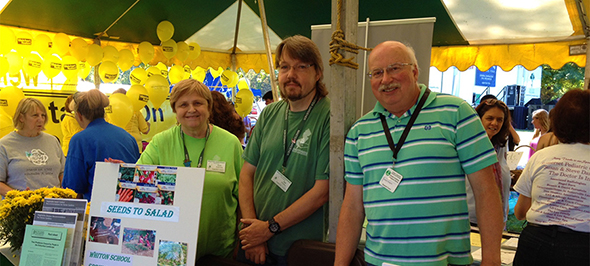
x=144 y=215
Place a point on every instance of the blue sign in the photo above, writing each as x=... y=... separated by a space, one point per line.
x=487 y=78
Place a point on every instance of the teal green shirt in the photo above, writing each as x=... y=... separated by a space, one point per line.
x=308 y=162
x=217 y=226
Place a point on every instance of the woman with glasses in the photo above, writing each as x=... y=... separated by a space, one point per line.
x=554 y=190
x=30 y=158
x=98 y=141
x=495 y=118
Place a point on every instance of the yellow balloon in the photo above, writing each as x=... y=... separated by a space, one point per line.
x=10 y=97
x=199 y=74
x=163 y=69
x=165 y=30
x=83 y=70
x=5 y=124
x=139 y=96
x=126 y=59
x=194 y=50
x=146 y=52
x=183 y=51
x=42 y=44
x=176 y=74
x=138 y=76
x=61 y=44
x=110 y=53
x=51 y=66
x=153 y=70
x=32 y=64
x=228 y=78
x=24 y=43
x=95 y=54
x=8 y=40
x=70 y=67
x=243 y=84
x=3 y=66
x=108 y=71
x=244 y=102
x=214 y=72
x=169 y=48
x=79 y=49
x=158 y=89
x=120 y=109
x=187 y=71
x=15 y=63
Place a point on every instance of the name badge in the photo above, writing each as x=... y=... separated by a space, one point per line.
x=281 y=181
x=390 y=179
x=216 y=166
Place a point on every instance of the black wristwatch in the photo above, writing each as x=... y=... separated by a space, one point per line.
x=273 y=226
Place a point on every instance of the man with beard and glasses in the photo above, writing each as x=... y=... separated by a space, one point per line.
x=405 y=167
x=284 y=181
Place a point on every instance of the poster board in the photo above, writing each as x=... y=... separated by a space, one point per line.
x=137 y=230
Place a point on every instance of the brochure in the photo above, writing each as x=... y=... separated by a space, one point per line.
x=71 y=206
x=64 y=220
x=43 y=246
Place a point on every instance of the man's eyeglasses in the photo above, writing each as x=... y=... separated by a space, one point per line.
x=284 y=68
x=391 y=70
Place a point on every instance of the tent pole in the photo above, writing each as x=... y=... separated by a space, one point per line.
x=96 y=75
x=233 y=51
x=342 y=109
x=587 y=73
x=273 y=81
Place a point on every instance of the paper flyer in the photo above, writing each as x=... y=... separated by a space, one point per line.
x=43 y=246
x=64 y=220
x=71 y=206
x=144 y=215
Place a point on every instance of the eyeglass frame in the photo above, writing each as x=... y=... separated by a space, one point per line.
x=388 y=69
x=298 y=68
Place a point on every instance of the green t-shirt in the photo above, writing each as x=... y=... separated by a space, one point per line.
x=308 y=162
x=217 y=227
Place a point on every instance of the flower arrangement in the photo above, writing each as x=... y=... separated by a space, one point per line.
x=18 y=208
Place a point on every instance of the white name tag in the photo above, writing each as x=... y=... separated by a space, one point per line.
x=281 y=181
x=216 y=166
x=390 y=179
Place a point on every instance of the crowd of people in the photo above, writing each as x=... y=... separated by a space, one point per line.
x=420 y=167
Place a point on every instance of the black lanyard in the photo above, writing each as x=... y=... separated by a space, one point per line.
x=395 y=149
x=187 y=159
x=289 y=149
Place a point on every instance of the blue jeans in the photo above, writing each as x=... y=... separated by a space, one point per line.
x=546 y=246
x=271 y=259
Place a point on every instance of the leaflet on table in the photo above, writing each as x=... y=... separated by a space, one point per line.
x=43 y=244
x=64 y=220
x=135 y=215
x=71 y=206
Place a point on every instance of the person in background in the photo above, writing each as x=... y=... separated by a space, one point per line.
x=98 y=141
x=267 y=97
x=137 y=125
x=513 y=137
x=197 y=143
x=69 y=125
x=548 y=139
x=284 y=180
x=29 y=157
x=541 y=123
x=554 y=189
x=412 y=190
x=224 y=116
x=495 y=118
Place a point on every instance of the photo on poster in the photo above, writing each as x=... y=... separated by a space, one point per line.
x=145 y=176
x=104 y=230
x=127 y=172
x=138 y=242
x=125 y=194
x=146 y=197
x=172 y=253
x=167 y=197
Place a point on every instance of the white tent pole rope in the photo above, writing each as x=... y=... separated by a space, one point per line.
x=273 y=81
x=365 y=67
x=104 y=33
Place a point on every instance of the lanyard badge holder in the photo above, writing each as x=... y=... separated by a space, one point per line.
x=187 y=160
x=391 y=178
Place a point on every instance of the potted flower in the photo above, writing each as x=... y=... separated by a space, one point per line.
x=18 y=208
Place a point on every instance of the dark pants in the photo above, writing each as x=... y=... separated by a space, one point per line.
x=271 y=259
x=549 y=245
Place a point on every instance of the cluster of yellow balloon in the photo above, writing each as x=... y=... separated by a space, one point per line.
x=244 y=102
x=9 y=98
x=120 y=109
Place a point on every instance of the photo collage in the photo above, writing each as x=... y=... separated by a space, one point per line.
x=146 y=184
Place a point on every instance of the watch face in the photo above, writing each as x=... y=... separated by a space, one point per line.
x=274 y=228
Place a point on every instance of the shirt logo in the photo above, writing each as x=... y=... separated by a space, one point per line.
x=302 y=144
x=427 y=127
x=37 y=157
